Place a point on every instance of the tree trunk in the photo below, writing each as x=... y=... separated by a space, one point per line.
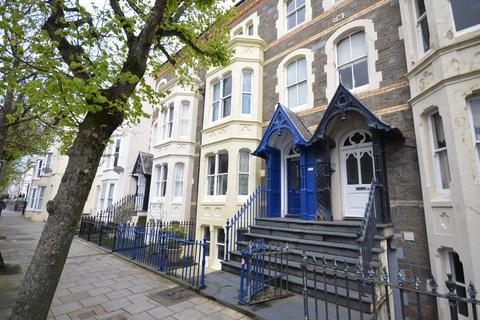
x=41 y=279
x=2 y=263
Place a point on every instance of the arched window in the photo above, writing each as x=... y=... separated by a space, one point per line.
x=179 y=172
x=352 y=63
x=297 y=83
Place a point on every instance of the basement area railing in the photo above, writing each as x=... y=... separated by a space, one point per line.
x=239 y=224
x=343 y=291
x=167 y=248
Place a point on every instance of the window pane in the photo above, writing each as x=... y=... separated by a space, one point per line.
x=216 y=91
x=165 y=172
x=243 y=184
x=360 y=72
x=302 y=93
x=301 y=70
x=292 y=73
x=425 y=34
x=179 y=171
x=220 y=236
x=227 y=86
x=222 y=184
x=444 y=169
x=247 y=82
x=290 y=6
x=246 y=103
x=216 y=107
x=210 y=185
x=300 y=3
x=226 y=106
x=366 y=165
x=438 y=133
x=294 y=174
x=420 y=7
x=170 y=114
x=343 y=51
x=300 y=15
x=475 y=106
x=358 y=45
x=211 y=165
x=250 y=30
x=352 y=170
x=244 y=161
x=345 y=75
x=466 y=13
x=292 y=97
x=223 y=163
x=291 y=21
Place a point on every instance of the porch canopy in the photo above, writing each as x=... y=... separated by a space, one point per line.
x=287 y=143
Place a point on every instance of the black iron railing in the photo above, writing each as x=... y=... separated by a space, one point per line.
x=263 y=274
x=239 y=224
x=167 y=248
x=120 y=211
x=368 y=228
x=345 y=292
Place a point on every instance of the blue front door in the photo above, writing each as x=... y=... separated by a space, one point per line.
x=293 y=178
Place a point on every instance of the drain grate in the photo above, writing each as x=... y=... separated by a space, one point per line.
x=172 y=296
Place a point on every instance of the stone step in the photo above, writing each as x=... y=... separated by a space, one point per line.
x=292 y=223
x=333 y=293
x=350 y=250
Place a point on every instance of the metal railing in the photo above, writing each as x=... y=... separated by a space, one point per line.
x=167 y=248
x=239 y=224
x=263 y=273
x=120 y=211
x=368 y=228
x=344 y=292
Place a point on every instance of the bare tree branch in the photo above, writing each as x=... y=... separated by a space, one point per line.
x=127 y=28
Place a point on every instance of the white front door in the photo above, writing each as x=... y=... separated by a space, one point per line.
x=357 y=170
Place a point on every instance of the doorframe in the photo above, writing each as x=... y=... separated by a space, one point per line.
x=343 y=169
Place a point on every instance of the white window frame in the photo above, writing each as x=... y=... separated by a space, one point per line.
x=31 y=203
x=418 y=28
x=178 y=181
x=116 y=151
x=476 y=142
x=435 y=158
x=243 y=173
x=463 y=31
x=208 y=239
x=216 y=176
x=162 y=180
x=37 y=198
x=219 y=244
x=48 y=160
x=297 y=83
x=295 y=12
x=353 y=61
x=110 y=196
x=184 y=119
x=38 y=169
x=167 y=124
x=247 y=94
x=221 y=98
x=104 y=201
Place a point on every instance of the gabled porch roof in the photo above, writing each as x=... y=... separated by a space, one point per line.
x=143 y=164
x=343 y=102
x=284 y=119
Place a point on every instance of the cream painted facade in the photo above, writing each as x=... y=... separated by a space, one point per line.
x=230 y=135
x=116 y=166
x=443 y=80
x=173 y=146
x=45 y=180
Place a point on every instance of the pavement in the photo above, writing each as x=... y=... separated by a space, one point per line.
x=98 y=285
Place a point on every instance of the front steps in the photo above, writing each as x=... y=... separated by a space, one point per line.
x=329 y=242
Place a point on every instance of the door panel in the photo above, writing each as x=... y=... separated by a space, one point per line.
x=294 y=185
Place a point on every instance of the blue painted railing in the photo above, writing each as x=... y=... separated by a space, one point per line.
x=239 y=224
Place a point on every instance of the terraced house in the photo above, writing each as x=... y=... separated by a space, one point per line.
x=314 y=107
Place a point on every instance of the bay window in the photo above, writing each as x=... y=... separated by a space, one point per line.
x=221 y=98
x=352 y=63
x=217 y=174
x=247 y=92
x=297 y=83
x=466 y=13
x=161 y=181
x=440 y=154
x=116 y=153
x=243 y=172
x=179 y=171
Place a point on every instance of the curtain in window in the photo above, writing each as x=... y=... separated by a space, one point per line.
x=179 y=169
x=243 y=172
x=184 y=118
